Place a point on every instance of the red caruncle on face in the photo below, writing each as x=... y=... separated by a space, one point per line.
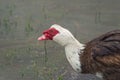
x=49 y=34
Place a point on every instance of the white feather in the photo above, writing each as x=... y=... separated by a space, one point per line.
x=73 y=55
x=72 y=46
x=100 y=75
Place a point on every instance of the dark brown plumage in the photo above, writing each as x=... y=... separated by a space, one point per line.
x=103 y=55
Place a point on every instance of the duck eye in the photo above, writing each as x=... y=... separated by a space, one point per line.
x=51 y=31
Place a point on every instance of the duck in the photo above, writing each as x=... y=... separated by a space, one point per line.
x=100 y=56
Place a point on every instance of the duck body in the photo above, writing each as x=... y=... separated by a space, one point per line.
x=102 y=55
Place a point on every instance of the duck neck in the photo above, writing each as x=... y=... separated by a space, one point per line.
x=73 y=52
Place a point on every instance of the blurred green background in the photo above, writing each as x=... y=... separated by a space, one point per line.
x=22 y=57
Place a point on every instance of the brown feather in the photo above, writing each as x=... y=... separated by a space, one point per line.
x=103 y=55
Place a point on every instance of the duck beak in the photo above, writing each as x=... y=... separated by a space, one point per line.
x=41 y=38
